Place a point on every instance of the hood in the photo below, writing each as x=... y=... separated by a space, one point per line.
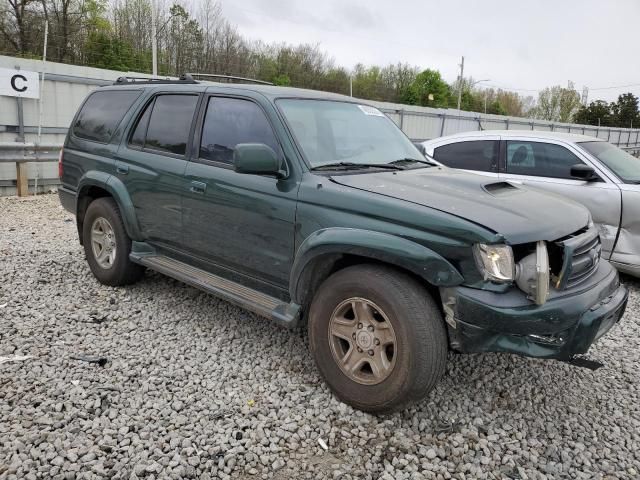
x=517 y=213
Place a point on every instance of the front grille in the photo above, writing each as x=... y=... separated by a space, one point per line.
x=580 y=258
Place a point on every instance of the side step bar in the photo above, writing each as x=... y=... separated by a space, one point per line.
x=287 y=314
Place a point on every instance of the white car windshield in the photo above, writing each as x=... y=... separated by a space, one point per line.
x=343 y=133
x=623 y=164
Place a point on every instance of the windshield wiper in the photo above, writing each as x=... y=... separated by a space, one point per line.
x=353 y=165
x=403 y=161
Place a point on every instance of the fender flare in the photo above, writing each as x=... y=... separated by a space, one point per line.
x=385 y=247
x=118 y=191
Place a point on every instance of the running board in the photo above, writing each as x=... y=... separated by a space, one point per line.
x=286 y=314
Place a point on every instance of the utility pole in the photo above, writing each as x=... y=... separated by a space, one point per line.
x=154 y=40
x=460 y=83
x=351 y=85
x=585 y=95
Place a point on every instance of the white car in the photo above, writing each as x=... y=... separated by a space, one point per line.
x=601 y=176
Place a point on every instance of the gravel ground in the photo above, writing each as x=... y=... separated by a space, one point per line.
x=197 y=388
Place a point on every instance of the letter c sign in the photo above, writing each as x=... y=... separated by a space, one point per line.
x=14 y=80
x=19 y=83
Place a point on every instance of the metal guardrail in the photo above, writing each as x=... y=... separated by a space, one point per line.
x=23 y=153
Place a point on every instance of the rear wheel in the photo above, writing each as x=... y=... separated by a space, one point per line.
x=107 y=245
x=377 y=337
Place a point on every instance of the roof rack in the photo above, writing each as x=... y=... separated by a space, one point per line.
x=185 y=78
x=230 y=78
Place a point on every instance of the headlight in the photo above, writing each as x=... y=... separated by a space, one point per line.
x=495 y=262
x=532 y=275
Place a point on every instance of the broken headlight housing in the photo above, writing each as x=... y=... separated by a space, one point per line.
x=495 y=262
x=532 y=274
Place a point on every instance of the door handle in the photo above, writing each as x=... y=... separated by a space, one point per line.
x=122 y=169
x=198 y=187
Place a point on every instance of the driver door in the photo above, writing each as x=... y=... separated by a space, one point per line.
x=241 y=222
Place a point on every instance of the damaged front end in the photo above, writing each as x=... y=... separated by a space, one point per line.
x=560 y=299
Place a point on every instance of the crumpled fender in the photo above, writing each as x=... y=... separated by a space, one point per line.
x=380 y=246
x=119 y=193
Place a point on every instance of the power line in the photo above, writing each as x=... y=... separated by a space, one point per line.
x=618 y=86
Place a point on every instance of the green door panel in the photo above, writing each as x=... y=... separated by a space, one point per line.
x=375 y=245
x=155 y=183
x=240 y=221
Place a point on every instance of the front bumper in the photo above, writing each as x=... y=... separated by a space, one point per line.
x=566 y=325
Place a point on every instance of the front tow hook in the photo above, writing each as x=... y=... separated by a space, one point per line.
x=579 y=361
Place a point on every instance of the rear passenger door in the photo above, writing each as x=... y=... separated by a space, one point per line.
x=477 y=156
x=547 y=165
x=151 y=163
x=241 y=222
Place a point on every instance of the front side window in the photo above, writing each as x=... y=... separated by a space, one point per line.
x=229 y=122
x=540 y=159
x=165 y=124
x=623 y=164
x=330 y=132
x=479 y=155
x=101 y=114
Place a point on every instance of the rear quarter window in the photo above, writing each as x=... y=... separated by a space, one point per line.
x=101 y=114
x=480 y=155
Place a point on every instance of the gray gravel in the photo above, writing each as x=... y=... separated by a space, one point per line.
x=197 y=388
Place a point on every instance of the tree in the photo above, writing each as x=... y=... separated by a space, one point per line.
x=597 y=113
x=195 y=37
x=625 y=111
x=19 y=25
x=557 y=104
x=428 y=89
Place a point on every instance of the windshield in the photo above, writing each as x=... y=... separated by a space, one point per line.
x=331 y=132
x=623 y=164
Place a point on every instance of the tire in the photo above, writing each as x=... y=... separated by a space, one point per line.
x=120 y=270
x=415 y=362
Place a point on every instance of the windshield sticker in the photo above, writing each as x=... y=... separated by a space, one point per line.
x=367 y=110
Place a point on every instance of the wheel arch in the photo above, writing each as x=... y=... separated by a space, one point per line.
x=94 y=185
x=329 y=250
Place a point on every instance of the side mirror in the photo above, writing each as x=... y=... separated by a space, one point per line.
x=420 y=147
x=257 y=159
x=584 y=172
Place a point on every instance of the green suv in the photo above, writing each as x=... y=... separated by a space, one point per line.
x=314 y=209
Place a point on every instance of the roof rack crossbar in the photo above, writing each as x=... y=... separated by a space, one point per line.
x=229 y=77
x=186 y=78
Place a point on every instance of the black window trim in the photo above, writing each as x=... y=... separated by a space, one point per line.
x=141 y=112
x=197 y=137
x=72 y=129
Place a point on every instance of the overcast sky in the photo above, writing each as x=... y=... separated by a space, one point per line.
x=519 y=45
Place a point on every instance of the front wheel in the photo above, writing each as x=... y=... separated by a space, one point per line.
x=377 y=337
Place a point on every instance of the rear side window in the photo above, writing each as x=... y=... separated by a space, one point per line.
x=101 y=114
x=165 y=124
x=540 y=159
x=230 y=121
x=479 y=155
